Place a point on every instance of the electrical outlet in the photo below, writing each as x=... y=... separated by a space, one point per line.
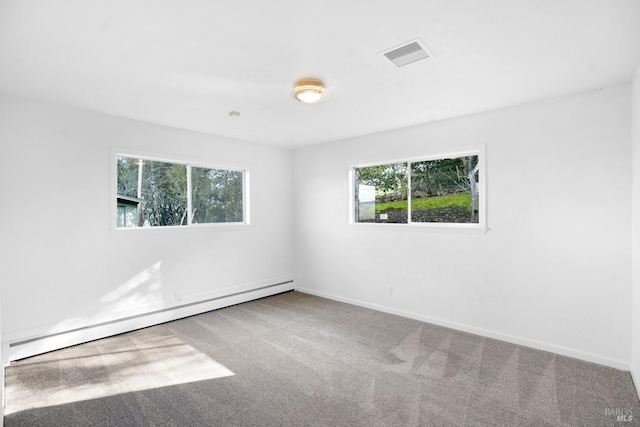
x=390 y=290
x=177 y=296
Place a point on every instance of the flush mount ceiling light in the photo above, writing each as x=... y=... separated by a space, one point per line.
x=309 y=91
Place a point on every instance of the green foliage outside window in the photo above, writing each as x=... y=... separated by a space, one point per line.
x=217 y=195
x=444 y=190
x=155 y=194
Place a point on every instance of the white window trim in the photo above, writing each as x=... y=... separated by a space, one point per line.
x=480 y=227
x=181 y=160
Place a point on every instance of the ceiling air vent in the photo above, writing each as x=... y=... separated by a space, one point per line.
x=407 y=53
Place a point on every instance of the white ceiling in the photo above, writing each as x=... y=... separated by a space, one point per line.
x=188 y=63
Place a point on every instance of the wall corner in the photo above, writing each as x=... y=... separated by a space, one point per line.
x=635 y=229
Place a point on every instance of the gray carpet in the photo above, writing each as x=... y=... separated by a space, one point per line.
x=299 y=360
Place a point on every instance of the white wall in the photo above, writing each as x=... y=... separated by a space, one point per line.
x=552 y=271
x=62 y=265
x=635 y=134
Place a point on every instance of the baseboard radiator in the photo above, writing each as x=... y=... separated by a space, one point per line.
x=22 y=348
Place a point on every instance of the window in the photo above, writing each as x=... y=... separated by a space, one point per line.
x=444 y=190
x=153 y=193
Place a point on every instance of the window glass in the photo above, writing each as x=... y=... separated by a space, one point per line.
x=216 y=195
x=445 y=190
x=381 y=193
x=157 y=193
x=440 y=190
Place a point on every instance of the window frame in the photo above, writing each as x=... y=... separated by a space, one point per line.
x=479 y=227
x=189 y=163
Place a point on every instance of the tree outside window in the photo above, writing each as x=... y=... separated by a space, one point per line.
x=441 y=190
x=158 y=194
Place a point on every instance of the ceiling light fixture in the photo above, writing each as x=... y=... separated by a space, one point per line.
x=309 y=91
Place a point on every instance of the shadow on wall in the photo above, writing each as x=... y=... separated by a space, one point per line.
x=140 y=294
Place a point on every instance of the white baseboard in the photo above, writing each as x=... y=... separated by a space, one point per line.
x=19 y=348
x=539 y=345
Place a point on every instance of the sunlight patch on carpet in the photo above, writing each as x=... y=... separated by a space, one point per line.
x=116 y=365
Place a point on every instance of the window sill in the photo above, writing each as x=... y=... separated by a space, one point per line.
x=217 y=226
x=427 y=226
